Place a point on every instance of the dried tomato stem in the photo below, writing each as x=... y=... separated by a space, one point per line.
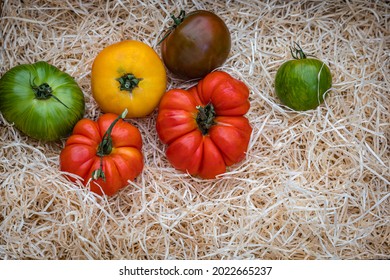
x=44 y=91
x=297 y=52
x=105 y=147
x=176 y=22
x=205 y=117
x=179 y=19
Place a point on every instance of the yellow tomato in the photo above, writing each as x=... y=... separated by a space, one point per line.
x=128 y=74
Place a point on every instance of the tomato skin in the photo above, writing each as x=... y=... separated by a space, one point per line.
x=119 y=59
x=45 y=113
x=190 y=148
x=301 y=83
x=196 y=46
x=123 y=163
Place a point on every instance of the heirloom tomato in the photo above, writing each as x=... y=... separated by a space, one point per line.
x=128 y=74
x=302 y=83
x=204 y=127
x=106 y=153
x=41 y=100
x=196 y=44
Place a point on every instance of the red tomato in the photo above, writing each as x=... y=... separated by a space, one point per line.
x=204 y=126
x=106 y=153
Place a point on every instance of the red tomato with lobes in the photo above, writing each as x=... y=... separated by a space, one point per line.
x=196 y=44
x=106 y=153
x=205 y=127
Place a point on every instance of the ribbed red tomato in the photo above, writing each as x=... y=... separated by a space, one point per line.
x=205 y=127
x=106 y=153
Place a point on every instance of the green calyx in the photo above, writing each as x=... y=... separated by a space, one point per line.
x=44 y=91
x=176 y=22
x=179 y=19
x=128 y=82
x=105 y=147
x=297 y=52
x=205 y=117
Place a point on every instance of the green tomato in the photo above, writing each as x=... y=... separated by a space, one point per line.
x=302 y=83
x=41 y=100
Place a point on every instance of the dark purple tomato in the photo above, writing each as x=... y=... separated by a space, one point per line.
x=197 y=44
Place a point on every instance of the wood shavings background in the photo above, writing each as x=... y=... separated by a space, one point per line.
x=314 y=185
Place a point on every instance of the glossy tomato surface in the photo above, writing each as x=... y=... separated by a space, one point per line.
x=42 y=101
x=114 y=156
x=302 y=83
x=128 y=75
x=205 y=127
x=196 y=46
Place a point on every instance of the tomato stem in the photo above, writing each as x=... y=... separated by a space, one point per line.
x=297 y=52
x=44 y=91
x=176 y=22
x=179 y=19
x=128 y=82
x=105 y=147
x=205 y=117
